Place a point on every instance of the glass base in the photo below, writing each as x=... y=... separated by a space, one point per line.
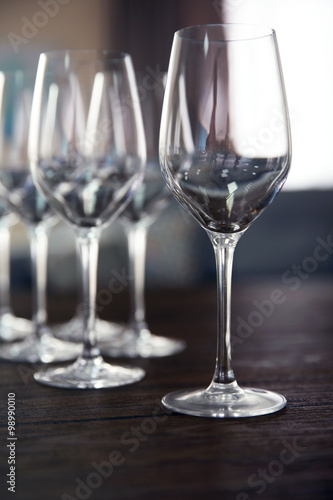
x=142 y=343
x=13 y=328
x=47 y=349
x=247 y=402
x=73 y=330
x=91 y=373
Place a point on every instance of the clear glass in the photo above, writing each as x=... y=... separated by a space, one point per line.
x=225 y=154
x=72 y=330
x=19 y=192
x=87 y=151
x=12 y=328
x=152 y=197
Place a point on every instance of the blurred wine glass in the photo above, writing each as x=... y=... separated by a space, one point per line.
x=72 y=329
x=149 y=201
x=12 y=328
x=19 y=192
x=87 y=150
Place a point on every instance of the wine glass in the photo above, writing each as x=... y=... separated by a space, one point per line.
x=72 y=329
x=87 y=150
x=224 y=164
x=12 y=328
x=18 y=190
x=149 y=200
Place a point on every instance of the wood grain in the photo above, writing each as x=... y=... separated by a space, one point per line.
x=122 y=444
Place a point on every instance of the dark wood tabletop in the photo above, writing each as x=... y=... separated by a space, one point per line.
x=122 y=444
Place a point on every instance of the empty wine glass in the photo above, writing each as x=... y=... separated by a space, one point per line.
x=87 y=151
x=18 y=190
x=225 y=164
x=12 y=328
x=72 y=329
x=149 y=200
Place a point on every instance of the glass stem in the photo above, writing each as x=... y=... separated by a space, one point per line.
x=38 y=249
x=4 y=270
x=88 y=246
x=224 y=246
x=137 y=244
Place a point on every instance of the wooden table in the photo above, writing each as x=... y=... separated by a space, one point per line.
x=122 y=444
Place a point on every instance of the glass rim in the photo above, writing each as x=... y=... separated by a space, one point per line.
x=266 y=32
x=83 y=54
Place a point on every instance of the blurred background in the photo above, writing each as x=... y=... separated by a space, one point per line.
x=283 y=240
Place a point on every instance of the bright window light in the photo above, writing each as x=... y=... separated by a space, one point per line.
x=305 y=37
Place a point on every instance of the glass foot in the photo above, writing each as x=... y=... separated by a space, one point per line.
x=133 y=343
x=73 y=330
x=45 y=350
x=91 y=373
x=242 y=403
x=13 y=328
